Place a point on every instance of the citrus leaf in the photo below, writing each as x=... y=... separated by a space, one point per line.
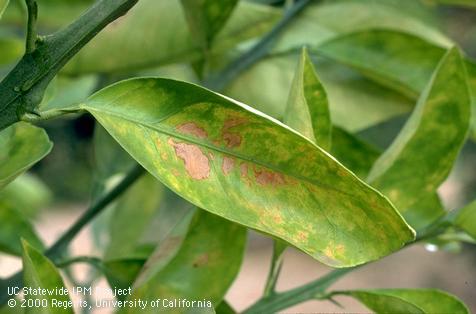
x=11 y=49
x=131 y=218
x=3 y=6
x=164 y=40
x=21 y=146
x=403 y=172
x=396 y=60
x=355 y=102
x=204 y=266
x=40 y=273
x=425 y=211
x=354 y=153
x=246 y=167
x=206 y=18
x=414 y=301
x=308 y=110
x=393 y=64
x=463 y=3
x=13 y=227
x=466 y=219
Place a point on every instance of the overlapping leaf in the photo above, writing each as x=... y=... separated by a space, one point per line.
x=13 y=227
x=21 y=146
x=422 y=155
x=203 y=268
x=40 y=273
x=237 y=163
x=355 y=102
x=414 y=301
x=308 y=109
x=466 y=219
x=206 y=18
x=163 y=40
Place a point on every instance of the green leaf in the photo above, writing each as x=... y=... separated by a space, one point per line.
x=355 y=102
x=206 y=18
x=205 y=265
x=354 y=153
x=10 y=50
x=224 y=308
x=422 y=155
x=414 y=301
x=164 y=40
x=237 y=163
x=398 y=60
x=308 y=110
x=464 y=3
x=466 y=219
x=3 y=6
x=324 y=21
x=40 y=273
x=21 y=146
x=131 y=218
x=27 y=193
x=122 y=273
x=13 y=227
x=425 y=211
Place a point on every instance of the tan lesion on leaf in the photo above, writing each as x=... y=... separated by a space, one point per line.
x=267 y=177
x=332 y=251
x=302 y=236
x=227 y=165
x=191 y=128
x=196 y=163
x=232 y=139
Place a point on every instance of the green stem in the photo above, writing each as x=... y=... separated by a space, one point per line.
x=22 y=89
x=96 y=262
x=221 y=80
x=31 y=34
x=56 y=251
x=280 y=301
x=276 y=264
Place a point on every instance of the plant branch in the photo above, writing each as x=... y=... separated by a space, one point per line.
x=280 y=301
x=22 y=89
x=55 y=252
x=219 y=81
x=276 y=264
x=31 y=34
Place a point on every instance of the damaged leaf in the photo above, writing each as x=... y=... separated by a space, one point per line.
x=278 y=182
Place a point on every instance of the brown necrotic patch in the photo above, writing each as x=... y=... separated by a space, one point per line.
x=193 y=129
x=228 y=164
x=232 y=139
x=196 y=163
x=266 y=177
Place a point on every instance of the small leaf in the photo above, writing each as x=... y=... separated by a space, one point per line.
x=237 y=163
x=21 y=146
x=204 y=266
x=466 y=219
x=40 y=273
x=206 y=18
x=308 y=110
x=422 y=155
x=406 y=301
x=13 y=227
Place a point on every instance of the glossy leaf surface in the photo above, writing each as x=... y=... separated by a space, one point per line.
x=205 y=265
x=435 y=132
x=40 y=273
x=260 y=173
x=13 y=227
x=206 y=18
x=308 y=110
x=21 y=146
x=414 y=301
x=466 y=219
